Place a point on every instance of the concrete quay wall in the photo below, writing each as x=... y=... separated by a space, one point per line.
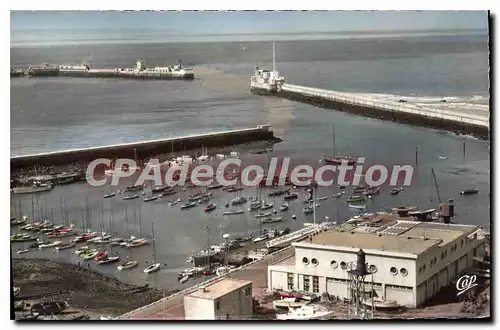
x=461 y=123
x=146 y=149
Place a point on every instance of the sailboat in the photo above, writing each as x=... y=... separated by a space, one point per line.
x=336 y=160
x=155 y=266
x=109 y=257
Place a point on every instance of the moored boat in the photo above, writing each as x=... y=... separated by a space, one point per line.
x=66 y=246
x=108 y=260
x=210 y=207
x=239 y=200
x=469 y=191
x=355 y=199
x=130 y=197
x=262 y=215
x=188 y=205
x=127 y=265
x=308 y=312
x=271 y=220
x=233 y=211
x=109 y=195
x=284 y=207
x=290 y=196
x=152 y=268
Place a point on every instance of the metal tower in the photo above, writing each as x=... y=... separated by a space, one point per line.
x=361 y=302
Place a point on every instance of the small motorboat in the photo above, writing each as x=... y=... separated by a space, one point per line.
x=262 y=215
x=239 y=200
x=108 y=260
x=255 y=206
x=469 y=191
x=184 y=279
x=90 y=254
x=337 y=195
x=23 y=251
x=116 y=241
x=82 y=250
x=271 y=220
x=394 y=191
x=233 y=211
x=109 y=195
x=133 y=188
x=127 y=265
x=381 y=304
x=66 y=246
x=339 y=160
x=357 y=206
x=442 y=157
x=102 y=255
x=308 y=312
x=355 y=199
x=188 y=205
x=130 y=197
x=260 y=238
x=371 y=191
x=177 y=201
x=214 y=186
x=223 y=270
x=267 y=206
x=210 y=207
x=284 y=207
x=307 y=210
x=290 y=196
x=152 y=268
x=136 y=243
x=150 y=199
x=160 y=189
x=322 y=198
x=49 y=245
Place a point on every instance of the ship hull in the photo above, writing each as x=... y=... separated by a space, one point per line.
x=114 y=74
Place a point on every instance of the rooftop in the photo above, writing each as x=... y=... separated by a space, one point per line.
x=372 y=241
x=398 y=236
x=219 y=289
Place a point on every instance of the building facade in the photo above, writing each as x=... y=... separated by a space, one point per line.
x=410 y=261
x=223 y=300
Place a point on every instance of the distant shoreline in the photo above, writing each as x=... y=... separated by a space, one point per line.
x=262 y=37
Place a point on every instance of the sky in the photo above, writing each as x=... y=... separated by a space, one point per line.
x=87 y=26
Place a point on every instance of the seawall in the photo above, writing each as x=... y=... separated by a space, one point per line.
x=454 y=121
x=146 y=149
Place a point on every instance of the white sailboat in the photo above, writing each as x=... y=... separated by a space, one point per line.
x=155 y=266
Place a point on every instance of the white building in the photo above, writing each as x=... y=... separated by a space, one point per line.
x=411 y=261
x=222 y=300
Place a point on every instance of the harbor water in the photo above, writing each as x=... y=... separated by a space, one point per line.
x=56 y=113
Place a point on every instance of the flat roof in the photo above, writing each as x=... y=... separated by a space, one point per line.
x=372 y=241
x=400 y=235
x=219 y=289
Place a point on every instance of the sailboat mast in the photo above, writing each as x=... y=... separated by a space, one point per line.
x=314 y=204
x=274 y=57
x=333 y=140
x=435 y=182
x=154 y=245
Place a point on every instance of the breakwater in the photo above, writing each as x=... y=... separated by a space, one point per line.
x=400 y=112
x=145 y=149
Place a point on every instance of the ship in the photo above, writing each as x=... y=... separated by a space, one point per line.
x=265 y=81
x=45 y=70
x=140 y=71
x=14 y=73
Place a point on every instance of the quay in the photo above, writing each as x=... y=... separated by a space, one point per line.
x=400 y=111
x=146 y=149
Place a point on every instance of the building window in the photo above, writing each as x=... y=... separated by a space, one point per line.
x=248 y=292
x=462 y=244
x=314 y=261
x=290 y=281
x=217 y=305
x=403 y=271
x=315 y=284
x=394 y=270
x=373 y=269
x=306 y=283
x=423 y=269
x=343 y=265
x=474 y=252
x=305 y=261
x=334 y=264
x=442 y=255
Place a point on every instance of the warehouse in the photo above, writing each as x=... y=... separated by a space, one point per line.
x=410 y=261
x=222 y=300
